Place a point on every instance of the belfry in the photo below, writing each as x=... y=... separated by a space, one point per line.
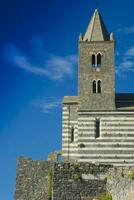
x=98 y=124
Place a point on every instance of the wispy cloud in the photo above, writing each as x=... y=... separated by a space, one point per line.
x=129 y=53
x=127 y=30
x=47 y=104
x=39 y=62
x=127 y=63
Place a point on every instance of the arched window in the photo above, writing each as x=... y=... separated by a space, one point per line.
x=98 y=60
x=97 y=126
x=72 y=134
x=94 y=87
x=99 y=86
x=93 y=60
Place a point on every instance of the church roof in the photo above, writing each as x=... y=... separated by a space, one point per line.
x=96 y=30
x=124 y=101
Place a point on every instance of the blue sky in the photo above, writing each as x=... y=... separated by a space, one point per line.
x=38 y=66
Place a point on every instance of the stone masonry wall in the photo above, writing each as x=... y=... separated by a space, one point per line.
x=72 y=181
x=32 y=181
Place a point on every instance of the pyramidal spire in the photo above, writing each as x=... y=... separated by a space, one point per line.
x=96 y=30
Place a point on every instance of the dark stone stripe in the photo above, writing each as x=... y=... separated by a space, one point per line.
x=102 y=152
x=107 y=140
x=107 y=135
x=114 y=158
x=106 y=146
x=116 y=125
x=106 y=151
x=110 y=145
x=116 y=129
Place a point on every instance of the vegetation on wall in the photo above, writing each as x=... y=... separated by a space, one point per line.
x=50 y=177
x=122 y=173
x=76 y=175
x=105 y=196
x=131 y=174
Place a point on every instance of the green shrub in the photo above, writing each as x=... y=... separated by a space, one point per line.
x=105 y=196
x=75 y=166
x=131 y=174
x=122 y=173
x=77 y=177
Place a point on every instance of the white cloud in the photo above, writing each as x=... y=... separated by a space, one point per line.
x=130 y=52
x=127 y=63
x=127 y=30
x=47 y=104
x=49 y=65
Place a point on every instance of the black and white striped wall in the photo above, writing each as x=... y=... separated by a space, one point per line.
x=112 y=142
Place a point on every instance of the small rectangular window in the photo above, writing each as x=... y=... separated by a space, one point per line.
x=97 y=127
x=72 y=134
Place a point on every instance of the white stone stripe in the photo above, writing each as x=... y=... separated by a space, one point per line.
x=123 y=118
x=66 y=125
x=117 y=128
x=66 y=140
x=104 y=129
x=65 y=117
x=64 y=108
x=128 y=140
x=109 y=138
x=103 y=144
x=66 y=135
x=71 y=121
x=98 y=160
x=105 y=149
x=125 y=156
x=80 y=119
x=72 y=145
x=105 y=160
x=103 y=134
x=117 y=123
x=86 y=123
x=106 y=112
x=70 y=155
x=65 y=113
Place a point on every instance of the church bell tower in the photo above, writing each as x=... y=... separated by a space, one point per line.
x=96 y=76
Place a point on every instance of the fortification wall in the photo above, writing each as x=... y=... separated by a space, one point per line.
x=43 y=180
x=32 y=179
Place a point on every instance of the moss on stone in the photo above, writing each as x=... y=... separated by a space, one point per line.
x=105 y=196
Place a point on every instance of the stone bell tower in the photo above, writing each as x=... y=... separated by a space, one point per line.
x=96 y=81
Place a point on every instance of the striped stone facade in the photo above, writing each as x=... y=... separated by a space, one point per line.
x=115 y=143
x=98 y=128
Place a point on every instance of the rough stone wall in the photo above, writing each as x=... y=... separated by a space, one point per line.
x=120 y=183
x=32 y=181
x=73 y=181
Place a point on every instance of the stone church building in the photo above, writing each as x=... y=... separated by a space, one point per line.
x=98 y=133
x=98 y=124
